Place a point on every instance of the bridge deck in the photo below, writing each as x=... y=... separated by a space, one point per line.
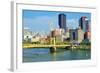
x=44 y=46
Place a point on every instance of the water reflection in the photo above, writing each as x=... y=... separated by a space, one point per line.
x=44 y=54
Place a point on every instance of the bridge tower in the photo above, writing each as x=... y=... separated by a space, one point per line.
x=52 y=49
x=51 y=29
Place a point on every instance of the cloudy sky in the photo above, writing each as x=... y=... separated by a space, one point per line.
x=43 y=21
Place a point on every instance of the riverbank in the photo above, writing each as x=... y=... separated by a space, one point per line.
x=81 y=47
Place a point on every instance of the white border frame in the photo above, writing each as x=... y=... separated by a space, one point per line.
x=16 y=51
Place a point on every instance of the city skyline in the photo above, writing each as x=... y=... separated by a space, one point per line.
x=46 y=37
x=41 y=20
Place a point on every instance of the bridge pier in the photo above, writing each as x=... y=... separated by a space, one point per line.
x=53 y=49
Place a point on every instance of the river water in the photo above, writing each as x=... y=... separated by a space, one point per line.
x=44 y=55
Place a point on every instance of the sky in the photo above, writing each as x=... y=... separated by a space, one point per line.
x=43 y=21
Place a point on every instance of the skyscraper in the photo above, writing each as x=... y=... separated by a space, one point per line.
x=62 y=21
x=84 y=23
x=76 y=35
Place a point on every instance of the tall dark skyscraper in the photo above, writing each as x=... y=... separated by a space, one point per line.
x=62 y=21
x=84 y=23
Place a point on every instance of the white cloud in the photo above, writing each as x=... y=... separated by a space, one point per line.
x=26 y=28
